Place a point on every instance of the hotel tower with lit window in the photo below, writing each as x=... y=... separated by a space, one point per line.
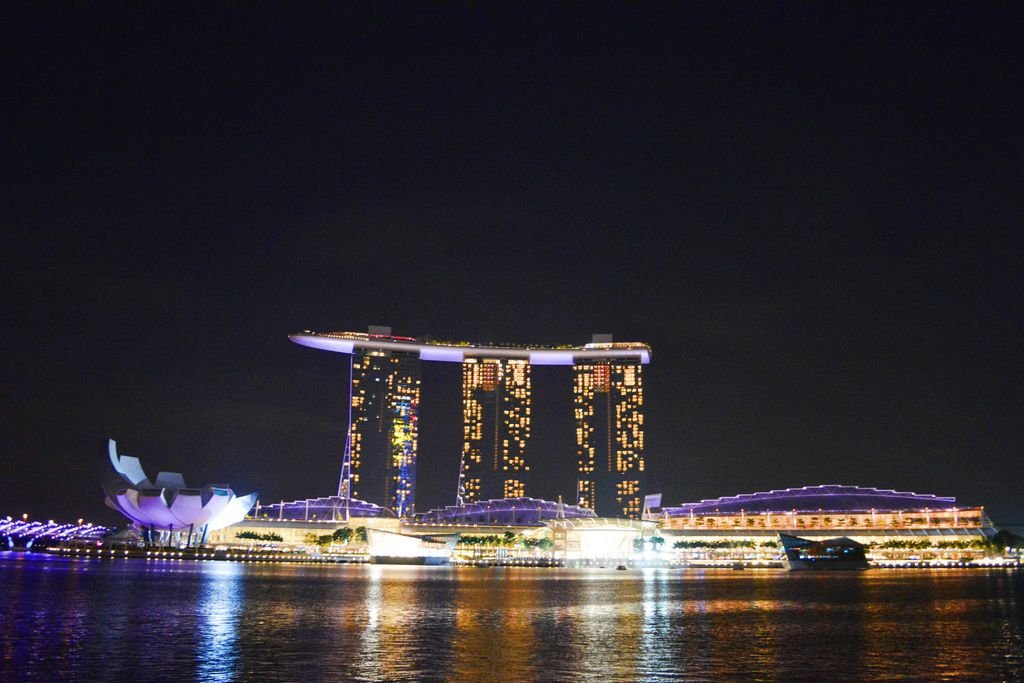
x=495 y=429
x=608 y=398
x=380 y=461
x=384 y=428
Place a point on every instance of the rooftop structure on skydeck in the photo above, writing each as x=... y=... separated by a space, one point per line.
x=459 y=351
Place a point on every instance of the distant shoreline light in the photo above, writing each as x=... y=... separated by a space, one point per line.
x=458 y=352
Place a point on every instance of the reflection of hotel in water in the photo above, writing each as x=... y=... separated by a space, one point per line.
x=380 y=459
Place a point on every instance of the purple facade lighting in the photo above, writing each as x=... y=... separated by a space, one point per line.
x=442 y=354
x=550 y=358
x=324 y=344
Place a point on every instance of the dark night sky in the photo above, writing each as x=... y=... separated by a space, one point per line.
x=811 y=211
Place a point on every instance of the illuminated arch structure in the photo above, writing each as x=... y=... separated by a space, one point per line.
x=379 y=462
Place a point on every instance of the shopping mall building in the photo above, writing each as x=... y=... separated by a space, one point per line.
x=896 y=525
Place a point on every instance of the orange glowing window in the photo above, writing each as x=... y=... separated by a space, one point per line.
x=489 y=376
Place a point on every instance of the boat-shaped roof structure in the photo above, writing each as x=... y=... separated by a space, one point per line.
x=826 y=498
x=458 y=351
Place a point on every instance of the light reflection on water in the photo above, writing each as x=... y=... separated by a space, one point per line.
x=221 y=601
x=128 y=619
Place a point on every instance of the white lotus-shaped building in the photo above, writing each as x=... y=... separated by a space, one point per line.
x=167 y=504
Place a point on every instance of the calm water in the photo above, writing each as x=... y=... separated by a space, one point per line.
x=119 y=620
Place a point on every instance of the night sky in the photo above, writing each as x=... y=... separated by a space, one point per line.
x=811 y=211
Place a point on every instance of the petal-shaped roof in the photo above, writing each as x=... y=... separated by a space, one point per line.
x=216 y=500
x=127 y=466
x=126 y=502
x=153 y=503
x=169 y=480
x=188 y=509
x=234 y=512
x=169 y=504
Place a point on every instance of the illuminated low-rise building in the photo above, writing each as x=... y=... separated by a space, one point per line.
x=599 y=540
x=891 y=523
x=293 y=533
x=896 y=527
x=389 y=547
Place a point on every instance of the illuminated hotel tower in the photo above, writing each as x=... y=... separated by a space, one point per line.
x=608 y=398
x=384 y=429
x=495 y=427
x=380 y=453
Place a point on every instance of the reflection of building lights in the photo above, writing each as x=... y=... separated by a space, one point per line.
x=220 y=605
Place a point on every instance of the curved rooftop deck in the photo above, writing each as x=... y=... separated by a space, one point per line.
x=457 y=352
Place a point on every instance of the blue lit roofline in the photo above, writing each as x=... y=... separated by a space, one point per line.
x=457 y=354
